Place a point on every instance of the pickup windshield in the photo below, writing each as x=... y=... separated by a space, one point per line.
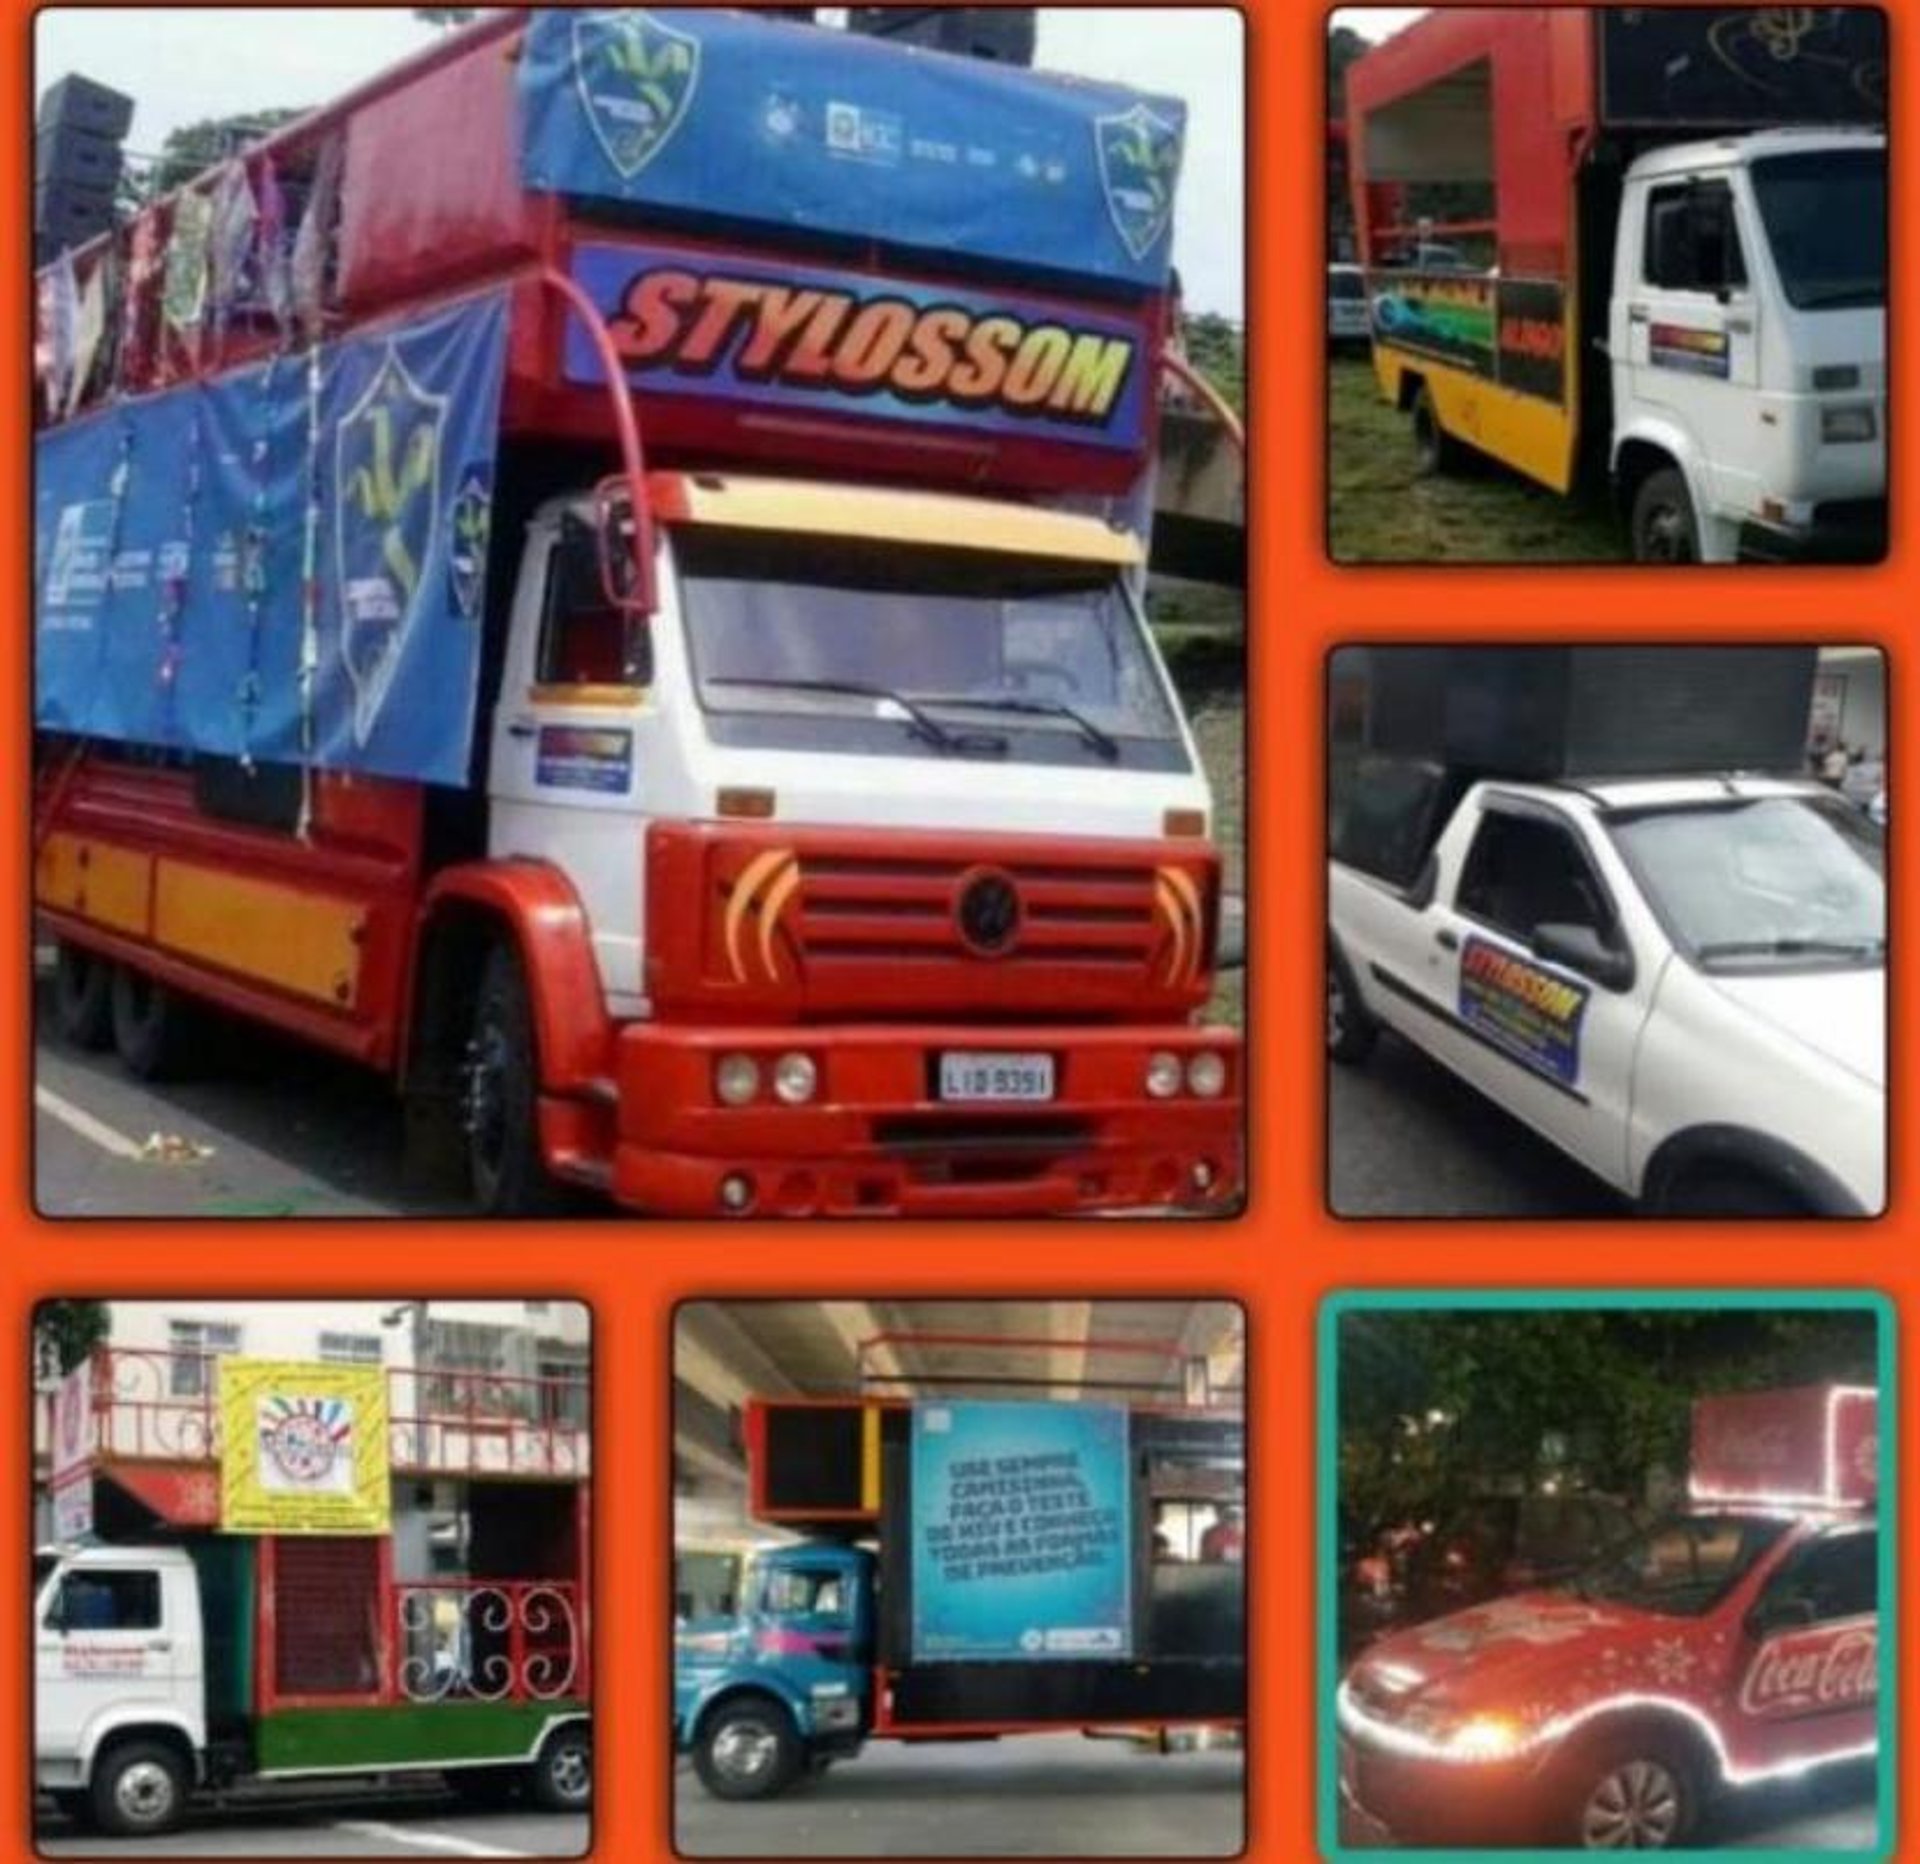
x=1826 y=221
x=1682 y=1567
x=838 y=644
x=1758 y=883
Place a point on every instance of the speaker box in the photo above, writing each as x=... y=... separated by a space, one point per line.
x=79 y=103
x=66 y=214
x=65 y=152
x=1002 y=34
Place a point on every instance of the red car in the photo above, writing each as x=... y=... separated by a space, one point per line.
x=1731 y=1645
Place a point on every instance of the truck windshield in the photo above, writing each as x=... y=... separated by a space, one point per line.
x=1682 y=1567
x=1764 y=882
x=841 y=644
x=1826 y=219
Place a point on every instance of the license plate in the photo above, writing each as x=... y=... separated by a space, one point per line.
x=996 y=1077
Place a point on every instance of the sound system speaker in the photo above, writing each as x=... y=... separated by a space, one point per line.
x=79 y=103
x=1002 y=34
x=69 y=214
x=76 y=163
x=82 y=156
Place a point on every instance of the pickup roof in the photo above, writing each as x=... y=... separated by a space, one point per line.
x=1681 y=982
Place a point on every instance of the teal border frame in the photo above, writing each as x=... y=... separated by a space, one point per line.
x=1335 y=1307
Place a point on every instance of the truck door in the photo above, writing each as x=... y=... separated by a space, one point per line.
x=574 y=736
x=1550 y=1042
x=1691 y=335
x=1808 y=1671
x=103 y=1638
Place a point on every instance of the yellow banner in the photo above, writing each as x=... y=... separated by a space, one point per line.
x=303 y=1448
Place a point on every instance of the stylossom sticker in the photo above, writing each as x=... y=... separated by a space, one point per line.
x=1527 y=1012
x=585 y=757
x=1689 y=348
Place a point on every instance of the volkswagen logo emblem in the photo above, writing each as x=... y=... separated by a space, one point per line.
x=989 y=912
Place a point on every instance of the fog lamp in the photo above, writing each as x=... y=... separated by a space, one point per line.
x=1164 y=1075
x=1207 y=1075
x=794 y=1078
x=736 y=1080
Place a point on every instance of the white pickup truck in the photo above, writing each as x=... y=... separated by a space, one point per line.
x=1680 y=982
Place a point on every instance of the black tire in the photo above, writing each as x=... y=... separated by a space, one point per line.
x=139 y=1790
x=487 y=1788
x=500 y=1097
x=563 y=1775
x=1434 y=449
x=71 y=1805
x=1351 y=1030
x=1664 y=528
x=152 y=1025
x=1635 y=1791
x=1730 y=1194
x=747 y=1749
x=83 y=998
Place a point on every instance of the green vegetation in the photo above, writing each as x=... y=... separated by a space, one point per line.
x=1382 y=511
x=1221 y=729
x=1218 y=349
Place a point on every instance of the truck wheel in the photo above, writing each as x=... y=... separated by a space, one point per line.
x=82 y=998
x=151 y=1024
x=139 y=1790
x=500 y=1097
x=1730 y=1194
x=563 y=1775
x=1631 y=1793
x=1434 y=449
x=1351 y=1031
x=1664 y=527
x=747 y=1750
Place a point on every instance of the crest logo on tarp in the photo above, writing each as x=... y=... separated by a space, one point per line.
x=1139 y=165
x=636 y=78
x=387 y=520
x=467 y=550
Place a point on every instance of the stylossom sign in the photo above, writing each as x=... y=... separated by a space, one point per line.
x=807 y=338
x=303 y=1448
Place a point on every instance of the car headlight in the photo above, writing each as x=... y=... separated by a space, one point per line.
x=1164 y=1075
x=1850 y=421
x=795 y=1077
x=1485 y=1737
x=736 y=1079
x=1207 y=1075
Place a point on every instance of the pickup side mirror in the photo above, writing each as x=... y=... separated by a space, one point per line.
x=1785 y=1611
x=1581 y=949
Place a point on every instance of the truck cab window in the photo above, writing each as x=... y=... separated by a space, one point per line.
x=107 y=1601
x=1693 y=243
x=584 y=639
x=1837 y=1577
x=1522 y=873
x=805 y=1594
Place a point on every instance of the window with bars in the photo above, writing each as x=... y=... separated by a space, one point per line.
x=469 y=1368
x=351 y=1349
x=564 y=1385
x=192 y=1346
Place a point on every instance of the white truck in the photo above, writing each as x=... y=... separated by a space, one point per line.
x=1679 y=980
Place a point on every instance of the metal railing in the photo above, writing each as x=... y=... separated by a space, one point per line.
x=488 y=1640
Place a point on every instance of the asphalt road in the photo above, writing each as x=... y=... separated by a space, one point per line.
x=1023 y=1796
x=1407 y=1139
x=358 y=1824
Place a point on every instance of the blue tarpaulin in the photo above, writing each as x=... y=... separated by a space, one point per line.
x=706 y=114
x=173 y=535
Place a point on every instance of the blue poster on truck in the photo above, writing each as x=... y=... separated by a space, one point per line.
x=709 y=115
x=1022 y=1532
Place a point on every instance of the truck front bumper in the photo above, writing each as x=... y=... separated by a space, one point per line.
x=1388 y=1797
x=876 y=1140
x=1837 y=531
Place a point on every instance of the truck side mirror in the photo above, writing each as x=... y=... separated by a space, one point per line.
x=626 y=575
x=1581 y=949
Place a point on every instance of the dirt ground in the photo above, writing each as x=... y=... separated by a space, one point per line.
x=1381 y=511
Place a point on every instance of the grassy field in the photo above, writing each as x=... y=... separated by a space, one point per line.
x=1383 y=512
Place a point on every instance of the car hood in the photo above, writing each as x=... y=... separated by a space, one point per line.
x=1839 y=1014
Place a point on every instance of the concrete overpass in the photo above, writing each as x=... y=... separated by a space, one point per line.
x=1200 y=501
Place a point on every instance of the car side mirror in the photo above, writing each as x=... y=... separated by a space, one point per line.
x=1581 y=949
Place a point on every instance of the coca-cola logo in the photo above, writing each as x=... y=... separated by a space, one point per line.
x=1806 y=1672
x=1758 y=1447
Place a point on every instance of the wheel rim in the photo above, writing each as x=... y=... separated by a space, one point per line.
x=571 y=1773
x=1663 y=538
x=1635 y=1807
x=743 y=1750
x=143 y=1795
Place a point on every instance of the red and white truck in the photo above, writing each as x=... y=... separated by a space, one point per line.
x=650 y=659
x=1733 y=1645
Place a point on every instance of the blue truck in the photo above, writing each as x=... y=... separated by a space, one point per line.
x=968 y=1570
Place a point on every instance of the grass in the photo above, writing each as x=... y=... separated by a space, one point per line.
x=1220 y=727
x=1382 y=511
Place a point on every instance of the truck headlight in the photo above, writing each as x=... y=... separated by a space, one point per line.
x=736 y=1079
x=1851 y=421
x=1207 y=1075
x=794 y=1078
x=1164 y=1075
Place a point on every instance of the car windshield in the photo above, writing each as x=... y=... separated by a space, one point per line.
x=843 y=644
x=1682 y=1567
x=1773 y=882
x=1826 y=219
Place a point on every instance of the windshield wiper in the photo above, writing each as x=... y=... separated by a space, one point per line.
x=921 y=722
x=1793 y=948
x=1104 y=742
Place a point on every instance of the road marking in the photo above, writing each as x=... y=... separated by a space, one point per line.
x=79 y=1120
x=425 y=1841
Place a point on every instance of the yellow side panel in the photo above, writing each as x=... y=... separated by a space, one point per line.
x=1531 y=435
x=111 y=886
x=302 y=942
x=870 y=1459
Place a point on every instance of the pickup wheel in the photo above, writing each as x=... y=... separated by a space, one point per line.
x=82 y=998
x=1434 y=449
x=139 y=1790
x=1351 y=1031
x=152 y=1025
x=500 y=1097
x=1664 y=528
x=747 y=1750
x=563 y=1775
x=1635 y=1791
x=487 y=1788
x=1730 y=1194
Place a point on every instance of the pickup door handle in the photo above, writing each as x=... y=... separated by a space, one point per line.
x=521 y=728
x=1447 y=941
x=160 y=1643
x=1636 y=313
